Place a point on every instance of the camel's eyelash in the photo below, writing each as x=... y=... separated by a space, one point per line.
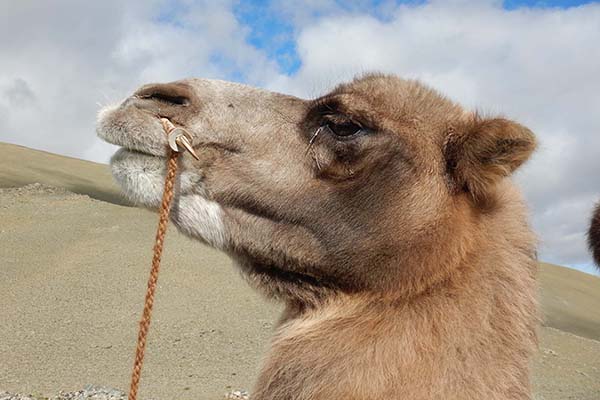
x=329 y=110
x=326 y=106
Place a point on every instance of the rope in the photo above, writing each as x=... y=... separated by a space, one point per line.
x=158 y=248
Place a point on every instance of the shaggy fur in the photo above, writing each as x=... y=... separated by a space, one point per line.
x=594 y=235
x=381 y=214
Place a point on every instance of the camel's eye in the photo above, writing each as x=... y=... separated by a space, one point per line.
x=344 y=129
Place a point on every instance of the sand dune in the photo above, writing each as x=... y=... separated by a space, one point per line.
x=73 y=267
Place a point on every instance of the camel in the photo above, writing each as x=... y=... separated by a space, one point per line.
x=381 y=214
x=594 y=235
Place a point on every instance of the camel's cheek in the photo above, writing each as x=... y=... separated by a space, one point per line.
x=202 y=219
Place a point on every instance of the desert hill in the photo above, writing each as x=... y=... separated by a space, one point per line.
x=73 y=267
x=20 y=166
x=570 y=300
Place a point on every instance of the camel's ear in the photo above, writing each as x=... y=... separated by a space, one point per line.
x=482 y=151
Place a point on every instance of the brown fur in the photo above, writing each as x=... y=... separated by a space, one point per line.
x=402 y=252
x=594 y=235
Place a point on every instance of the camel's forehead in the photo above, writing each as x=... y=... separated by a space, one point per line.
x=370 y=84
x=392 y=90
x=374 y=82
x=204 y=87
x=388 y=101
x=376 y=88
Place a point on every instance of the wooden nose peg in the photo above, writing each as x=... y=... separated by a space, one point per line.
x=179 y=139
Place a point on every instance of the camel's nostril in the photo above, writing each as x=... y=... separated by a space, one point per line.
x=169 y=99
x=175 y=94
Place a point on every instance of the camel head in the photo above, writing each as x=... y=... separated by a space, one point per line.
x=379 y=185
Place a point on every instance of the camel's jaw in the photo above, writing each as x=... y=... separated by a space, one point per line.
x=141 y=177
x=139 y=168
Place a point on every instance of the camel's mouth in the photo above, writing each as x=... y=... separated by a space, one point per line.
x=132 y=128
x=139 y=166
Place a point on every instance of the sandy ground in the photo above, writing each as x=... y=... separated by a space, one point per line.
x=566 y=367
x=73 y=271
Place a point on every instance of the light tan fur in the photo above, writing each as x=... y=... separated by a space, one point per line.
x=381 y=214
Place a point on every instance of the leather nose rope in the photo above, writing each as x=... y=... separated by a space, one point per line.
x=182 y=138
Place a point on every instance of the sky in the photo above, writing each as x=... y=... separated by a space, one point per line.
x=536 y=62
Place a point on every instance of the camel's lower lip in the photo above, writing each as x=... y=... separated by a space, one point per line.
x=136 y=158
x=141 y=177
x=127 y=152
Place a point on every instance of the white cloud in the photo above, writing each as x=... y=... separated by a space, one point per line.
x=61 y=60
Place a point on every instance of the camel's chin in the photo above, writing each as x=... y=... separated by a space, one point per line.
x=140 y=176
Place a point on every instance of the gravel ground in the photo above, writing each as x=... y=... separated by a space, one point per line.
x=91 y=392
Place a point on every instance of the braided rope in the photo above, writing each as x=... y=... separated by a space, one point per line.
x=158 y=248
